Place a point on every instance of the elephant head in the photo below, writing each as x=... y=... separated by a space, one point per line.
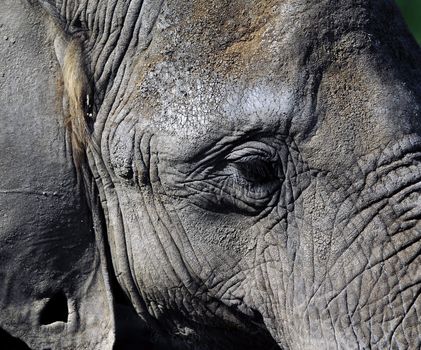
x=257 y=163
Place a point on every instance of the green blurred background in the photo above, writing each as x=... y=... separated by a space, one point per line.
x=411 y=10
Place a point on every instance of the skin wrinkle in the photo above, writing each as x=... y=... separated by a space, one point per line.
x=362 y=209
x=181 y=248
x=344 y=287
x=124 y=272
x=158 y=269
x=103 y=32
x=399 y=324
x=121 y=102
x=111 y=67
x=197 y=262
x=127 y=283
x=115 y=58
x=164 y=251
x=130 y=256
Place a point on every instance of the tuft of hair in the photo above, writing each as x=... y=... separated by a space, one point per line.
x=79 y=94
x=77 y=86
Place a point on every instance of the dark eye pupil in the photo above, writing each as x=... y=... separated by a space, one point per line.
x=256 y=171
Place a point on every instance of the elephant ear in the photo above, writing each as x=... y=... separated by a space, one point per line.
x=54 y=291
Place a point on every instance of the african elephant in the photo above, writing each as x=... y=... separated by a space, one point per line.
x=251 y=171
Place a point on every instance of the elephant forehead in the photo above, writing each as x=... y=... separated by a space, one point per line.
x=192 y=114
x=207 y=53
x=229 y=35
x=204 y=109
x=197 y=106
x=211 y=68
x=226 y=39
x=216 y=67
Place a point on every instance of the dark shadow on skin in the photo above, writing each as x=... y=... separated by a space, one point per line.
x=131 y=333
x=9 y=342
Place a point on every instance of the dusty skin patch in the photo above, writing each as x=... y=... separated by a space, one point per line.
x=225 y=41
x=235 y=39
x=201 y=38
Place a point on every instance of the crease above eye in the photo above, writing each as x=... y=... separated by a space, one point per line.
x=251 y=149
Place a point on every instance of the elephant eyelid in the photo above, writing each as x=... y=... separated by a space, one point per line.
x=252 y=149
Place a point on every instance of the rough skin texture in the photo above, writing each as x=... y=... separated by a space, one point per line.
x=209 y=175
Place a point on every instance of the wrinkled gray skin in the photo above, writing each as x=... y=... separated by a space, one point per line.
x=258 y=169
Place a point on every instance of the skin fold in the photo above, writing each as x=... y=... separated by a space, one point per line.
x=256 y=166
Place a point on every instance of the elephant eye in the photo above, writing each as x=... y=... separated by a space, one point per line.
x=244 y=179
x=255 y=170
x=247 y=184
x=254 y=163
